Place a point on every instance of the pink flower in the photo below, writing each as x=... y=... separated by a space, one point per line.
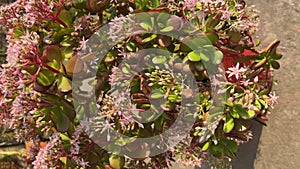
x=83 y=163
x=49 y=156
x=190 y=4
x=246 y=82
x=236 y=71
x=226 y=14
x=83 y=44
x=21 y=48
x=273 y=98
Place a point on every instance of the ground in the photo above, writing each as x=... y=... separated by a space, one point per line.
x=279 y=146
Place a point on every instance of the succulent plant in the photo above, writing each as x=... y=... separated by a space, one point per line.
x=193 y=63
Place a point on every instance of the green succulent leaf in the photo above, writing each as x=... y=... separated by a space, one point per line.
x=257 y=104
x=61 y=120
x=229 y=124
x=155 y=3
x=146 y=26
x=159 y=59
x=194 y=56
x=46 y=77
x=157 y=94
x=162 y=18
x=167 y=29
x=276 y=56
x=126 y=69
x=66 y=42
x=67 y=51
x=66 y=17
x=32 y=69
x=194 y=43
x=213 y=37
x=63 y=160
x=206 y=146
x=55 y=65
x=243 y=112
x=218 y=57
x=251 y=113
x=159 y=122
x=53 y=52
x=111 y=56
x=234 y=36
x=117 y=162
x=232 y=145
x=204 y=56
x=217 y=150
x=65 y=137
x=147 y=22
x=64 y=84
x=149 y=38
x=275 y=64
x=242 y=125
x=75 y=65
x=257 y=42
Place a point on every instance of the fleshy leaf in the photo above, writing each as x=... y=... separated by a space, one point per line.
x=206 y=146
x=159 y=59
x=229 y=124
x=276 y=56
x=157 y=94
x=218 y=56
x=53 y=52
x=149 y=38
x=46 y=77
x=234 y=36
x=204 y=56
x=243 y=112
x=64 y=84
x=162 y=17
x=167 y=29
x=66 y=17
x=194 y=56
x=75 y=65
x=68 y=109
x=232 y=145
x=60 y=119
x=241 y=125
x=213 y=37
x=275 y=64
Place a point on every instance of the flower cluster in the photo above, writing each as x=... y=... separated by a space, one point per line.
x=26 y=13
x=117 y=30
x=117 y=109
x=239 y=16
x=22 y=48
x=50 y=155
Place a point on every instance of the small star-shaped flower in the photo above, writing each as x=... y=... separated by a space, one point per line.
x=273 y=98
x=235 y=71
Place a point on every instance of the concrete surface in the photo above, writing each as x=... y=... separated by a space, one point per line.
x=279 y=146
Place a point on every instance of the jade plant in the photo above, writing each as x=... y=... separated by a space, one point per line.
x=103 y=81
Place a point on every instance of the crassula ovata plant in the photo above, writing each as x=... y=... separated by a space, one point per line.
x=96 y=77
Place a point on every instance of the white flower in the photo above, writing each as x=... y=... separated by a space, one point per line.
x=246 y=82
x=83 y=44
x=235 y=71
x=273 y=98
